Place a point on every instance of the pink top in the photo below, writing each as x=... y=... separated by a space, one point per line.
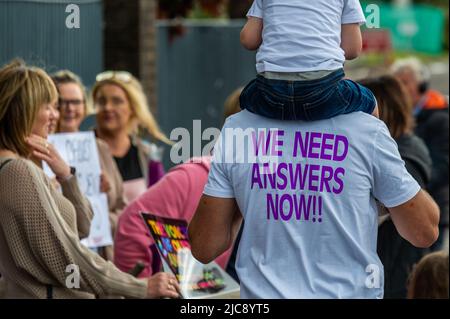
x=133 y=189
x=177 y=196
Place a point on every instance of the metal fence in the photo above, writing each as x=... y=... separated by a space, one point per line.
x=36 y=31
x=197 y=71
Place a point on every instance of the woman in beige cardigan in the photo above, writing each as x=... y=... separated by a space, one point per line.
x=40 y=252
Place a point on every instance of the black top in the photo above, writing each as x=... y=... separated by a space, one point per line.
x=397 y=255
x=417 y=158
x=433 y=128
x=129 y=166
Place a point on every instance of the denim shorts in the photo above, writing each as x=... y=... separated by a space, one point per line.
x=311 y=100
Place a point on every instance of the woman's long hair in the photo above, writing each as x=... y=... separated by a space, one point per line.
x=23 y=91
x=395 y=107
x=141 y=117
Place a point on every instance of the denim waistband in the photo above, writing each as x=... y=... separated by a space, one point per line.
x=334 y=76
x=297 y=76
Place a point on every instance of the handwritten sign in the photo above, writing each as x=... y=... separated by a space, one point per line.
x=100 y=233
x=79 y=150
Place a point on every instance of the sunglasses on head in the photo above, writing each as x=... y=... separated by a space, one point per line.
x=122 y=76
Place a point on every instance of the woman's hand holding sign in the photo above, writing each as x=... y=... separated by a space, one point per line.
x=105 y=185
x=163 y=285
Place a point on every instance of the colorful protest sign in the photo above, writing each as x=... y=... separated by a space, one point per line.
x=79 y=150
x=196 y=280
x=170 y=236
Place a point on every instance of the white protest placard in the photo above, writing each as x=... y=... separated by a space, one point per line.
x=100 y=234
x=79 y=150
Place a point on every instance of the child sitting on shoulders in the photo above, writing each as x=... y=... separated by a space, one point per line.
x=302 y=47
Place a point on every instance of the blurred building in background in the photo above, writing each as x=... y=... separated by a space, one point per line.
x=130 y=41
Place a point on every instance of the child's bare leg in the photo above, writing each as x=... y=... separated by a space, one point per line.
x=376 y=112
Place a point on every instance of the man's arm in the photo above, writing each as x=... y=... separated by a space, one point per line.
x=251 y=34
x=417 y=220
x=214 y=227
x=351 y=40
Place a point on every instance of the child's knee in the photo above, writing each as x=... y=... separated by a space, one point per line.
x=376 y=112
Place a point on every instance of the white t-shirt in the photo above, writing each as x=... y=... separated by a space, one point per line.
x=303 y=35
x=308 y=199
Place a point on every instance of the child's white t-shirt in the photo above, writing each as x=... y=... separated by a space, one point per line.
x=303 y=35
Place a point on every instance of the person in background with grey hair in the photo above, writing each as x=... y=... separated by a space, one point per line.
x=432 y=119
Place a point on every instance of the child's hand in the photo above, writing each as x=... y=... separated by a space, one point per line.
x=251 y=34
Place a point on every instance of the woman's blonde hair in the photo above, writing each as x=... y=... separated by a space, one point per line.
x=232 y=103
x=68 y=77
x=141 y=117
x=394 y=104
x=23 y=91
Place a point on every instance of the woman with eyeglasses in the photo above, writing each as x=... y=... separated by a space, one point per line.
x=72 y=101
x=39 y=236
x=73 y=108
x=123 y=116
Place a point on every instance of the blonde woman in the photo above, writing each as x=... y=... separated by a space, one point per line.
x=232 y=104
x=123 y=113
x=38 y=225
x=73 y=108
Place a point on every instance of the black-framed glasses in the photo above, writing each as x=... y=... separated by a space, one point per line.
x=64 y=103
